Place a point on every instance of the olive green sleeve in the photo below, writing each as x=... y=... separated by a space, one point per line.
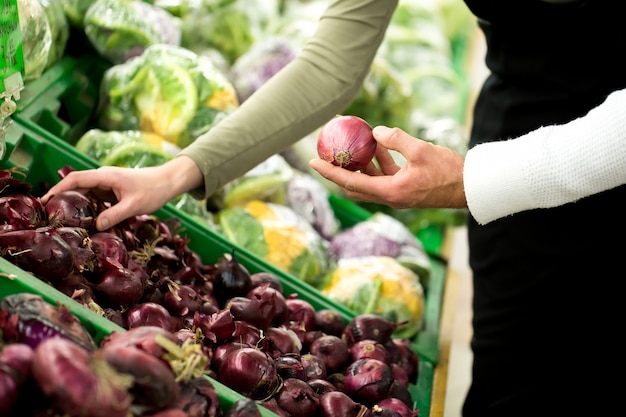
x=318 y=84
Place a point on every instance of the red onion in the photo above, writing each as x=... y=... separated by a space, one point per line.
x=109 y=249
x=149 y=314
x=198 y=398
x=297 y=398
x=369 y=326
x=250 y=372
x=15 y=371
x=182 y=300
x=368 y=381
x=368 y=348
x=71 y=208
x=231 y=279
x=330 y=322
x=399 y=406
x=216 y=327
x=403 y=354
x=39 y=251
x=79 y=383
x=280 y=341
x=246 y=333
x=22 y=211
x=143 y=338
x=314 y=366
x=119 y=288
x=27 y=318
x=301 y=312
x=333 y=351
x=221 y=351
x=155 y=387
x=378 y=411
x=259 y=278
x=289 y=366
x=347 y=141
x=321 y=386
x=337 y=403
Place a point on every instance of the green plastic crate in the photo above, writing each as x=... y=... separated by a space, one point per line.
x=61 y=102
x=43 y=158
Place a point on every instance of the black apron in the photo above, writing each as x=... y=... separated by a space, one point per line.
x=547 y=301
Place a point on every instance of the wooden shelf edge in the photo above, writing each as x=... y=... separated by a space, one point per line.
x=440 y=377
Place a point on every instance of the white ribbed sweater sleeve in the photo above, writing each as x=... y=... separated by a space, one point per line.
x=550 y=166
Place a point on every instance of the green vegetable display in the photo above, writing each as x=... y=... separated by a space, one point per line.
x=378 y=285
x=36 y=37
x=278 y=235
x=121 y=29
x=167 y=90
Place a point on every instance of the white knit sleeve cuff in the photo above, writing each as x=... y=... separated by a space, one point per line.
x=495 y=178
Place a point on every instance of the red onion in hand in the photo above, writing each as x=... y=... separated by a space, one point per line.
x=347 y=142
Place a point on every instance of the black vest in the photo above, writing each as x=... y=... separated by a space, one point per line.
x=540 y=275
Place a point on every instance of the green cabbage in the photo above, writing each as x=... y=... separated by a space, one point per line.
x=379 y=285
x=169 y=91
x=278 y=235
x=36 y=37
x=120 y=29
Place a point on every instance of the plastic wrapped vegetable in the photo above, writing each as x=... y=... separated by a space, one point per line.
x=259 y=63
x=309 y=198
x=382 y=235
x=229 y=26
x=115 y=147
x=167 y=90
x=75 y=11
x=59 y=29
x=378 y=285
x=120 y=29
x=36 y=37
x=278 y=235
x=267 y=182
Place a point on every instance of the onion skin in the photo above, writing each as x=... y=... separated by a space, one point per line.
x=368 y=381
x=70 y=208
x=154 y=386
x=250 y=372
x=333 y=351
x=27 y=318
x=22 y=211
x=75 y=381
x=347 y=141
x=297 y=398
x=337 y=403
x=15 y=370
x=39 y=251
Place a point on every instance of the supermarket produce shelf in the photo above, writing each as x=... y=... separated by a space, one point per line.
x=42 y=158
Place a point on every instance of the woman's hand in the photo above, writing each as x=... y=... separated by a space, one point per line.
x=431 y=177
x=132 y=191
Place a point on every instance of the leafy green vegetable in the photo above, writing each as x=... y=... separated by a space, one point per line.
x=59 y=29
x=36 y=37
x=378 y=285
x=120 y=29
x=278 y=235
x=75 y=11
x=167 y=90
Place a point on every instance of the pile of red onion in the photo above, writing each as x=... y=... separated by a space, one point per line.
x=273 y=348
